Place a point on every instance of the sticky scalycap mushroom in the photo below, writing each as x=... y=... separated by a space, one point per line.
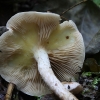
x=38 y=53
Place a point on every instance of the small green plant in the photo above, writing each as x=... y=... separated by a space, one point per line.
x=85 y=74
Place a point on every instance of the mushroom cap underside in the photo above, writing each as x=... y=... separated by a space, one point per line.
x=64 y=45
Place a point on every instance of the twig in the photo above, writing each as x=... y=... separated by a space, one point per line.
x=73 y=7
x=63 y=17
x=9 y=91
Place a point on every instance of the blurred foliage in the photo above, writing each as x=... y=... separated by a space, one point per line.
x=97 y=2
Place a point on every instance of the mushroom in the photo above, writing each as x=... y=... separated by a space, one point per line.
x=38 y=53
x=73 y=87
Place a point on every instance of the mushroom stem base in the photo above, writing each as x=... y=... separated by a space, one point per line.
x=48 y=76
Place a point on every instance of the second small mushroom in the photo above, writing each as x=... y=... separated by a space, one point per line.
x=38 y=53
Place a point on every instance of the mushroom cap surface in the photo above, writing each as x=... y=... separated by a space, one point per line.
x=30 y=30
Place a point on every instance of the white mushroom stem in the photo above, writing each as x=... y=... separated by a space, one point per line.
x=48 y=76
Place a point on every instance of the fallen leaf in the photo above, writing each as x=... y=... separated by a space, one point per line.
x=92 y=65
x=97 y=2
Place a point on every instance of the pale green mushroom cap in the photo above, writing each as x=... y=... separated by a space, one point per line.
x=27 y=32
